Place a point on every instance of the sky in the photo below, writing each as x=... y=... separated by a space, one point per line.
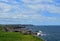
x=37 y=12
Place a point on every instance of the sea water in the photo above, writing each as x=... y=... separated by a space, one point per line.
x=50 y=33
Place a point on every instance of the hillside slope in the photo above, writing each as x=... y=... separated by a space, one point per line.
x=15 y=36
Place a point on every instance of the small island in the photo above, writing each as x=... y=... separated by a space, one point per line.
x=17 y=33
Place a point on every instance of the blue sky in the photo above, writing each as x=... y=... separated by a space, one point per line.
x=37 y=12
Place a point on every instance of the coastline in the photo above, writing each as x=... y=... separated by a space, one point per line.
x=6 y=35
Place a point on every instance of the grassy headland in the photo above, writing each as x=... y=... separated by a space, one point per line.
x=16 y=36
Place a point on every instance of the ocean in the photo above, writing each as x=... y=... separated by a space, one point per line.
x=52 y=33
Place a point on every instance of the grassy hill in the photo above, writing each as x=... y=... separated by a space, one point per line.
x=16 y=36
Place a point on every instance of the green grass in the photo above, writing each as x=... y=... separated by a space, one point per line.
x=15 y=36
x=1 y=29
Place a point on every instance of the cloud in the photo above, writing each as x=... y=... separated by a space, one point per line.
x=36 y=1
x=28 y=10
x=45 y=7
x=35 y=17
x=4 y=0
x=4 y=8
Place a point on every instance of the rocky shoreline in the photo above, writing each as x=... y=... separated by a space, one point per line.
x=20 y=28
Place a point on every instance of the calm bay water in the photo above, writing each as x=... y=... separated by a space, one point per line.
x=52 y=32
